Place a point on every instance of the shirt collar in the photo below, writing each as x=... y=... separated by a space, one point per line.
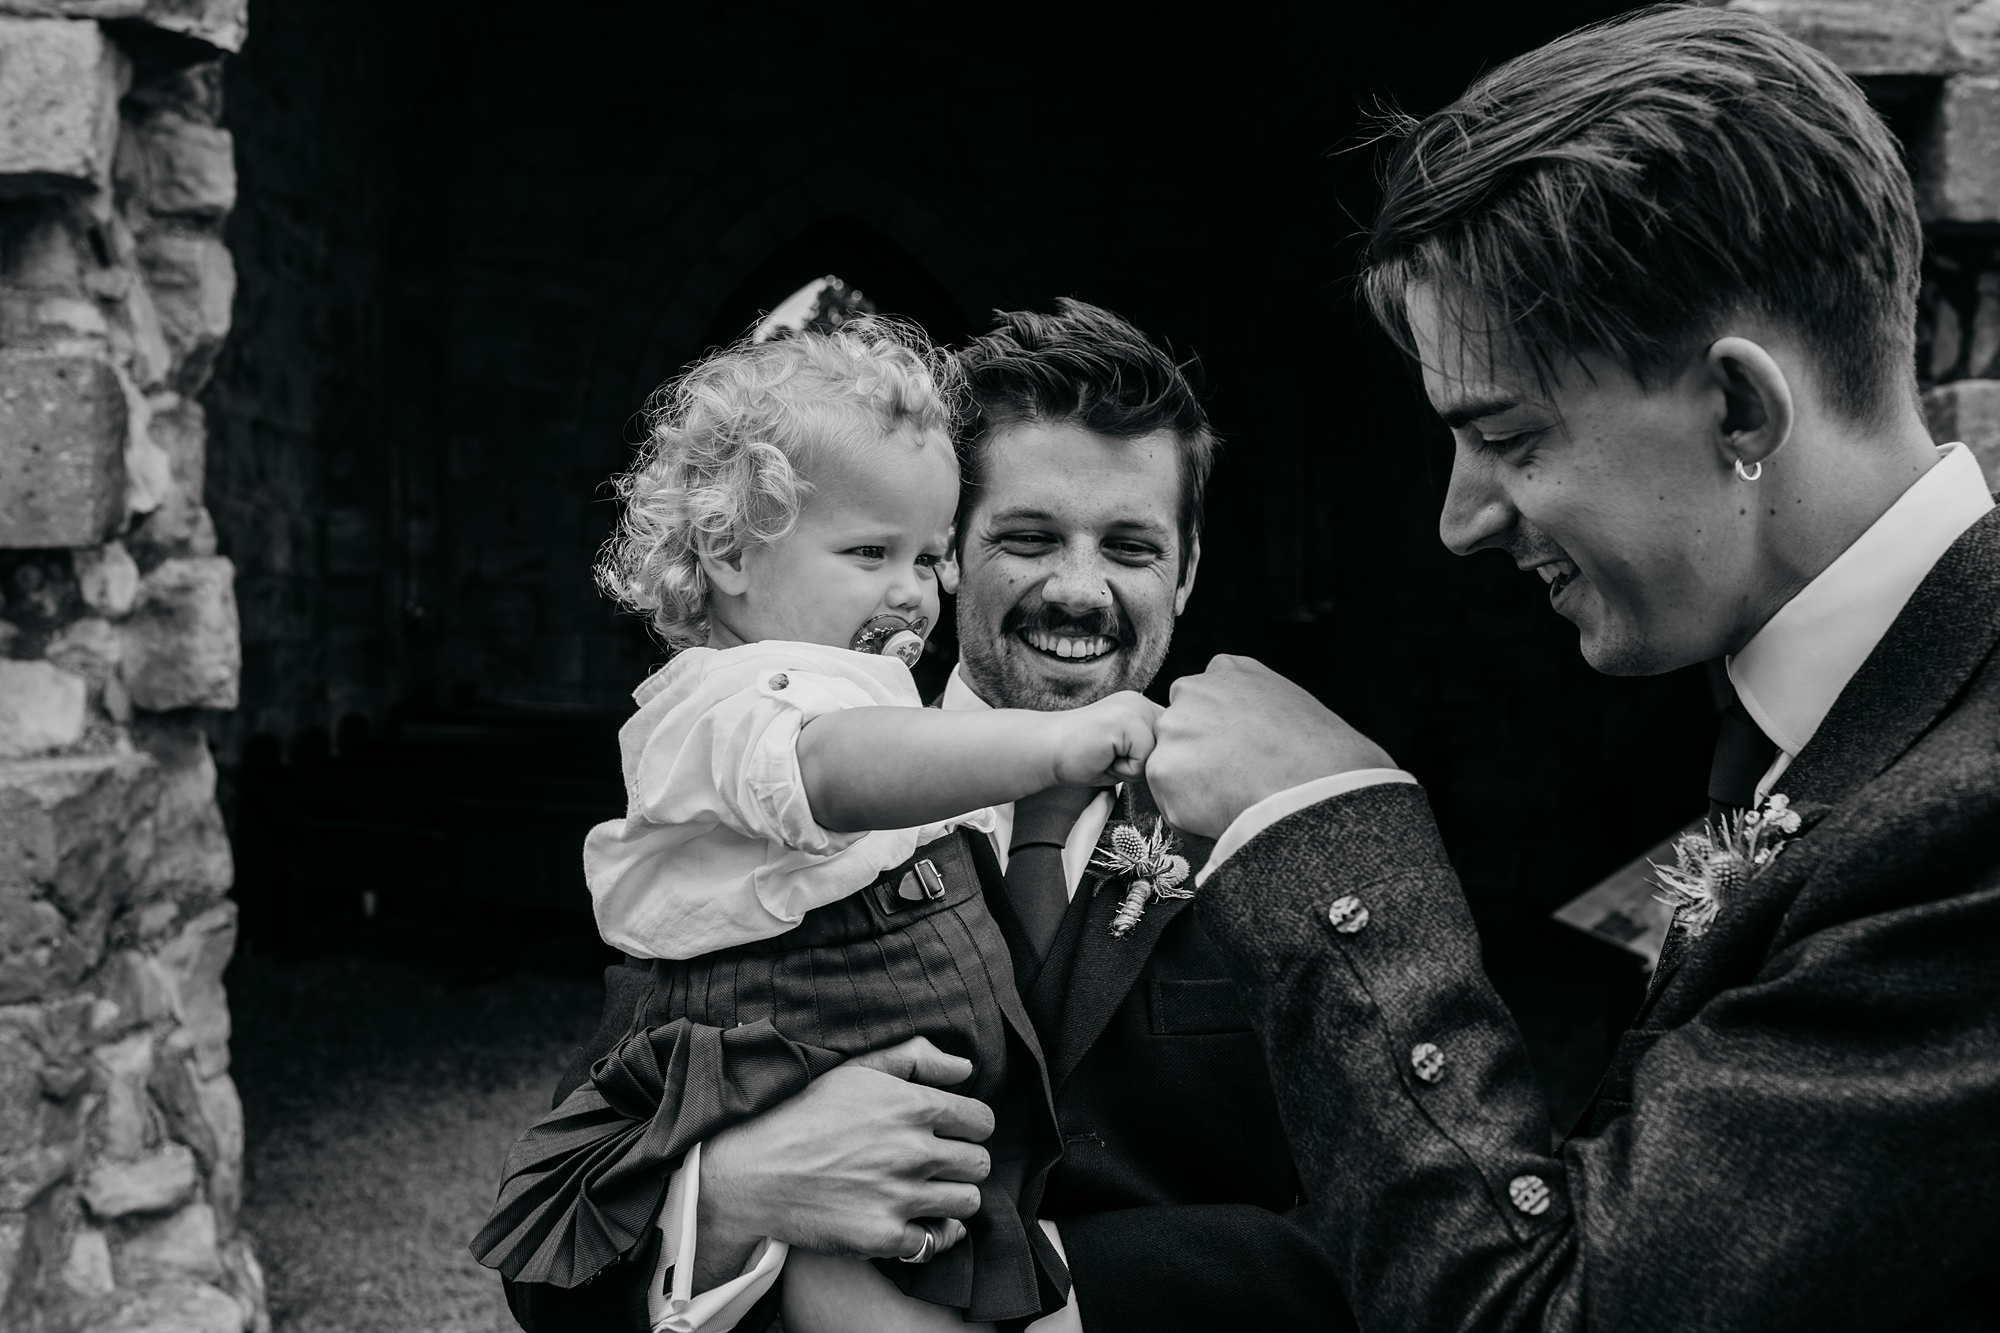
x=959 y=696
x=1794 y=668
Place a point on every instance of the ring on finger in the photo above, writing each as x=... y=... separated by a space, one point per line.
x=926 y=1251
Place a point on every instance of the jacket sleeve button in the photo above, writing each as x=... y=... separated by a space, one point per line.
x=1428 y=1061
x=1347 y=914
x=1530 y=1194
x=779 y=680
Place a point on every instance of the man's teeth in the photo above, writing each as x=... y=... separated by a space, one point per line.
x=1063 y=645
x=1555 y=569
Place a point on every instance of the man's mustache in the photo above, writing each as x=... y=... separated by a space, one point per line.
x=1052 y=619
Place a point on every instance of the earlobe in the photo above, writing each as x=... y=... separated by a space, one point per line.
x=1757 y=407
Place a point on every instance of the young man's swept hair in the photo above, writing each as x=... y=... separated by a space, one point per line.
x=1093 y=369
x=1625 y=188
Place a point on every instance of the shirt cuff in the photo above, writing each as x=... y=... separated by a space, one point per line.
x=1290 y=801
x=1068 y=1319
x=671 y=1305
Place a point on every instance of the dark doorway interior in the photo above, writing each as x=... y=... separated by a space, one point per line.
x=472 y=239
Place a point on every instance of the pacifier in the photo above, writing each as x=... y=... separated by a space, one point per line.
x=892 y=636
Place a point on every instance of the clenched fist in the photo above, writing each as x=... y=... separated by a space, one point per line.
x=1239 y=732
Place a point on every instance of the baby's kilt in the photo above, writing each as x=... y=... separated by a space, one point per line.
x=709 y=1042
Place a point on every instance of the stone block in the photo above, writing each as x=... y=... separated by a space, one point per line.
x=166 y=1307
x=41 y=708
x=107 y=577
x=129 y=1125
x=151 y=1184
x=183 y=1245
x=36 y=1148
x=39 y=956
x=206 y=1114
x=86 y=1268
x=192 y=963
x=246 y=1283
x=192 y=859
x=130 y=991
x=193 y=282
x=181 y=648
x=179 y=167
x=69 y=827
x=60 y=82
x=220 y=23
x=74 y=9
x=1958 y=164
x=180 y=427
x=1969 y=411
x=62 y=474
x=152 y=360
x=89 y=648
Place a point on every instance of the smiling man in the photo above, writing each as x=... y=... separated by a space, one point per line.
x=1176 y=1204
x=1661 y=278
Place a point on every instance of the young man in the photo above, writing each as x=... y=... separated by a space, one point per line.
x=1660 y=276
x=1176 y=1204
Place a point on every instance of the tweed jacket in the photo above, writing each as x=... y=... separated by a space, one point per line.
x=1801 y=1129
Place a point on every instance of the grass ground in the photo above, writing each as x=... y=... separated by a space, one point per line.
x=379 y=1104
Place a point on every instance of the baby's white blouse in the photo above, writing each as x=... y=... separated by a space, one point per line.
x=718 y=846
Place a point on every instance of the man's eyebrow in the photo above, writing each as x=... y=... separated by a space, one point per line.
x=1022 y=515
x=1464 y=414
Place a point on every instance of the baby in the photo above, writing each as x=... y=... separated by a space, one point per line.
x=795 y=853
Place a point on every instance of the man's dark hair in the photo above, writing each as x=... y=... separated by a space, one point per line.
x=1626 y=187
x=1091 y=368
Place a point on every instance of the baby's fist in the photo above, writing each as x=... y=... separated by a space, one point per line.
x=1105 y=742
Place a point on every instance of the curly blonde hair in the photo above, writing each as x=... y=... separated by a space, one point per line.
x=723 y=466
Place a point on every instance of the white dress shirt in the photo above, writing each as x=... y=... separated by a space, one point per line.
x=719 y=846
x=1792 y=669
x=678 y=1310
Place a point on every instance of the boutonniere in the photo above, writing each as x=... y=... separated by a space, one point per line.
x=1156 y=871
x=1720 y=859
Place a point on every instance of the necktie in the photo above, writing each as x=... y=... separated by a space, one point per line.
x=1034 y=881
x=1743 y=754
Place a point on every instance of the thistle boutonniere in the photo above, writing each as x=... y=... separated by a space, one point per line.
x=1156 y=871
x=1720 y=859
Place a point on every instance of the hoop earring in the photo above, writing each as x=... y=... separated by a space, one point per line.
x=1751 y=473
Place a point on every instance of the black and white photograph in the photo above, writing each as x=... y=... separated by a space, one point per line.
x=1093 y=668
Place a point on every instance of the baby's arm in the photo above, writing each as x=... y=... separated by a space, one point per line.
x=875 y=768
x=825 y=1295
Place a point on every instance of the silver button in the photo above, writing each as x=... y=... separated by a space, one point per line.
x=1347 y=914
x=1529 y=1194
x=780 y=680
x=1428 y=1061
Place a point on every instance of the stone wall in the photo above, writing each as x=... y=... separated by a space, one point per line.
x=1935 y=67
x=121 y=1136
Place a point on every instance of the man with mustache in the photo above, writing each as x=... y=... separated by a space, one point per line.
x=1661 y=279
x=1175 y=1204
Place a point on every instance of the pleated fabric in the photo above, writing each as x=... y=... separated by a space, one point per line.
x=583 y=1183
x=720 y=1038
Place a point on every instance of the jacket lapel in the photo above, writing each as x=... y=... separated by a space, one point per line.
x=1923 y=662
x=1929 y=654
x=1103 y=966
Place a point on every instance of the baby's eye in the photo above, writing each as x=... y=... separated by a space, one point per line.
x=869 y=552
x=929 y=561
